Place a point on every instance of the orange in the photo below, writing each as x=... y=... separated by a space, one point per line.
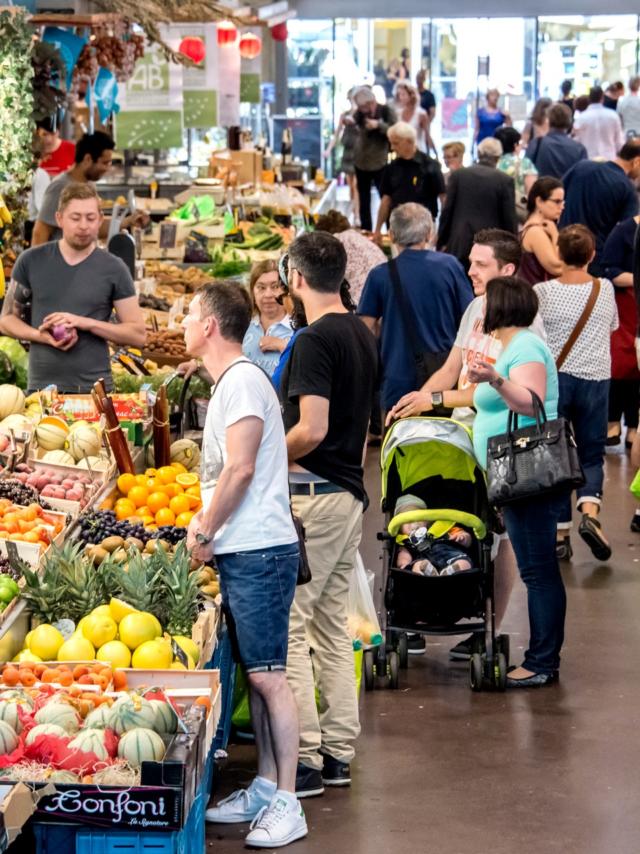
x=124 y=508
x=126 y=482
x=151 y=472
x=156 y=501
x=167 y=474
x=179 y=468
x=188 y=479
x=164 y=516
x=143 y=511
x=139 y=495
x=147 y=521
x=193 y=490
x=170 y=489
x=183 y=519
x=141 y=479
x=151 y=483
x=194 y=501
x=152 y=527
x=180 y=504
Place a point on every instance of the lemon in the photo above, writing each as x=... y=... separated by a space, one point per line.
x=77 y=648
x=80 y=625
x=157 y=625
x=26 y=655
x=100 y=630
x=136 y=629
x=115 y=653
x=119 y=609
x=188 y=646
x=177 y=665
x=101 y=611
x=188 y=479
x=153 y=655
x=27 y=638
x=45 y=641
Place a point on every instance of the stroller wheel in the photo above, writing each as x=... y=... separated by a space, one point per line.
x=500 y=672
x=367 y=667
x=394 y=670
x=403 y=651
x=503 y=646
x=476 y=672
x=381 y=660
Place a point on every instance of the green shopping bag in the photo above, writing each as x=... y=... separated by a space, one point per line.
x=634 y=489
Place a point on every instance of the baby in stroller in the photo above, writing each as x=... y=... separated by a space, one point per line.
x=440 y=549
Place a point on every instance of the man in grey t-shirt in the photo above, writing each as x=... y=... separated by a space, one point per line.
x=62 y=296
x=93 y=160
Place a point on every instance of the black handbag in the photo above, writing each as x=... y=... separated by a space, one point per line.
x=426 y=363
x=528 y=462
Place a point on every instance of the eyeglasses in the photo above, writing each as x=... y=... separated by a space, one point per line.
x=556 y=201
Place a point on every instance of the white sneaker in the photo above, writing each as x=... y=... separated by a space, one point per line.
x=276 y=825
x=242 y=805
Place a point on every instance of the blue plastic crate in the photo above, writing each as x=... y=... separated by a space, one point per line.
x=55 y=838
x=125 y=842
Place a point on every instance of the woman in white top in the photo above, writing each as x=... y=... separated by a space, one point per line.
x=406 y=103
x=584 y=374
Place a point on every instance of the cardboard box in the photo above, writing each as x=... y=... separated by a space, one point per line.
x=17 y=805
x=247 y=163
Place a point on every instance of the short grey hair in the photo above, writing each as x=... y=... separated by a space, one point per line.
x=490 y=149
x=363 y=94
x=402 y=130
x=634 y=84
x=410 y=224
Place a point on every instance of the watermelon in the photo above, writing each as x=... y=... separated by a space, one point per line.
x=141 y=745
x=130 y=712
x=9 y=738
x=61 y=714
x=44 y=729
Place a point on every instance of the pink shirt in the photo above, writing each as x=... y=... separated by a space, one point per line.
x=362 y=256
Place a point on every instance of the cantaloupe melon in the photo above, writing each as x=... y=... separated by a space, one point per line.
x=141 y=745
x=8 y=738
x=51 y=433
x=9 y=713
x=59 y=458
x=95 y=463
x=83 y=442
x=130 y=712
x=61 y=714
x=165 y=716
x=67 y=777
x=90 y=741
x=98 y=718
x=17 y=422
x=185 y=451
x=11 y=400
x=45 y=729
x=17 y=696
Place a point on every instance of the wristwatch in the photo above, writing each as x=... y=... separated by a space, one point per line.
x=202 y=539
x=437 y=398
x=497 y=382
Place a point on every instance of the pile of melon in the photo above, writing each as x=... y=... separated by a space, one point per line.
x=79 y=444
x=133 y=730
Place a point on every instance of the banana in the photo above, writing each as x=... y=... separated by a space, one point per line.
x=5 y=213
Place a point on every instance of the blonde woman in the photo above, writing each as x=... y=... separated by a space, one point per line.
x=407 y=106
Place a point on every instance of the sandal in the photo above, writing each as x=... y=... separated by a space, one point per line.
x=590 y=531
x=564 y=551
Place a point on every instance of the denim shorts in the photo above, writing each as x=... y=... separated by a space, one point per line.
x=257 y=590
x=443 y=553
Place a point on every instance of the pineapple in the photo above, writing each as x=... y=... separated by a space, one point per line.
x=181 y=591
x=140 y=584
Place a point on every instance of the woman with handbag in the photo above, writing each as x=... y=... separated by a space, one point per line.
x=524 y=366
x=579 y=314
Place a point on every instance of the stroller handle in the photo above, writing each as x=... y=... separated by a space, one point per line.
x=455 y=516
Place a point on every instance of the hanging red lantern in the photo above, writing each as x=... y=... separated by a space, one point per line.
x=227 y=32
x=194 y=48
x=279 y=33
x=250 y=46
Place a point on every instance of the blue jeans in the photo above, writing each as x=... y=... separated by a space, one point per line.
x=532 y=529
x=585 y=403
x=257 y=590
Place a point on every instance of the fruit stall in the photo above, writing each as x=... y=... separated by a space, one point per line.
x=109 y=701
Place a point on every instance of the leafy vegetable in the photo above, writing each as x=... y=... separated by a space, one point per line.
x=19 y=359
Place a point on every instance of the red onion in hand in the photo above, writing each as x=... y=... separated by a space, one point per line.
x=60 y=332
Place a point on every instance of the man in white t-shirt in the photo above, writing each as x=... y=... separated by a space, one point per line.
x=494 y=253
x=246 y=523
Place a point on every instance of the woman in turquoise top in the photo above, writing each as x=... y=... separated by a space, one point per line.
x=525 y=365
x=270 y=328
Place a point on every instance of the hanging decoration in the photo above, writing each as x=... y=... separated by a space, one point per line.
x=227 y=33
x=194 y=48
x=279 y=33
x=250 y=46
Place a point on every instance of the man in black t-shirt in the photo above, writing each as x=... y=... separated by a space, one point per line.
x=412 y=177
x=326 y=391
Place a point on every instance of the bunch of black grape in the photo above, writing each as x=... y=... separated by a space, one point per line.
x=7 y=569
x=171 y=533
x=21 y=494
x=100 y=524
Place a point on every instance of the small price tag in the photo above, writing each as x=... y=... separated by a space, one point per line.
x=179 y=653
x=12 y=552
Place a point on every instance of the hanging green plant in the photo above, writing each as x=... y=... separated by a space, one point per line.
x=16 y=101
x=49 y=87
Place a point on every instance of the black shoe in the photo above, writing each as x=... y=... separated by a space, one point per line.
x=308 y=782
x=334 y=772
x=590 y=531
x=536 y=680
x=635 y=523
x=564 y=551
x=416 y=644
x=462 y=651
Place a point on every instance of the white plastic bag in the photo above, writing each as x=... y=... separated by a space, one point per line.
x=362 y=618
